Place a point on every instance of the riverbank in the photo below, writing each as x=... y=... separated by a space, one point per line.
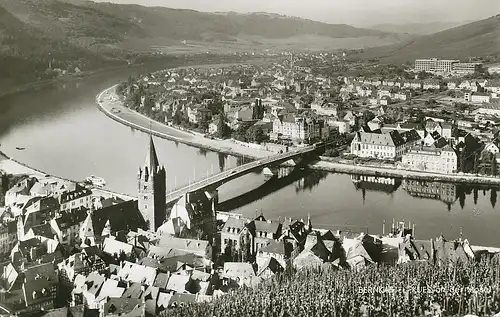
x=404 y=174
x=11 y=166
x=111 y=105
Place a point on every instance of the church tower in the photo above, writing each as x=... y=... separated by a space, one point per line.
x=152 y=189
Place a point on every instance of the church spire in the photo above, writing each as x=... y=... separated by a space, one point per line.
x=151 y=162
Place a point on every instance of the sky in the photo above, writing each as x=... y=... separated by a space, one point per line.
x=354 y=12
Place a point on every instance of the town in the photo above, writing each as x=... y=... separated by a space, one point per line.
x=436 y=116
x=70 y=248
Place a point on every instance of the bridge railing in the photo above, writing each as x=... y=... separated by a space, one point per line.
x=212 y=178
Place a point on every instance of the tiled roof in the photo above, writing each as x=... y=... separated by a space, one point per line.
x=274 y=247
x=236 y=269
x=38 y=282
x=43 y=230
x=392 y=138
x=150 y=296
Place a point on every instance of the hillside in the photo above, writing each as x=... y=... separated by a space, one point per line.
x=417 y=28
x=477 y=39
x=25 y=52
x=108 y=26
x=84 y=35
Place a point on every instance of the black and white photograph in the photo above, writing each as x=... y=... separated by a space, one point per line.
x=237 y=158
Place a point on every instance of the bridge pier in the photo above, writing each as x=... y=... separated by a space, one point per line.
x=279 y=172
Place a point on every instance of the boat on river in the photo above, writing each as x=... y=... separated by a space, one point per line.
x=96 y=181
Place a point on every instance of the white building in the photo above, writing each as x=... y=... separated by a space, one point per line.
x=378 y=145
x=79 y=198
x=477 y=97
x=428 y=159
x=435 y=65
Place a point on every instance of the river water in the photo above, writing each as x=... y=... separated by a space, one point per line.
x=64 y=134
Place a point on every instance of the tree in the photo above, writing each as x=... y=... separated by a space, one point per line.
x=177 y=119
x=368 y=116
x=494 y=168
x=462 y=160
x=256 y=134
x=223 y=129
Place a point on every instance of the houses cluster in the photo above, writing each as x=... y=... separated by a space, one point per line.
x=274 y=99
x=278 y=245
x=436 y=147
x=44 y=221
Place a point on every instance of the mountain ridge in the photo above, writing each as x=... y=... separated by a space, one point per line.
x=418 y=28
x=477 y=39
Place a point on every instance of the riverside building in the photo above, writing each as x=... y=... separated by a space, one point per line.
x=430 y=159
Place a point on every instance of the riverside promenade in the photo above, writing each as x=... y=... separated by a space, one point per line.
x=111 y=105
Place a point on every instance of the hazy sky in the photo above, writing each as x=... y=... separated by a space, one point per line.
x=355 y=12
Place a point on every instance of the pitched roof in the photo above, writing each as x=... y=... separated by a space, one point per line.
x=112 y=246
x=137 y=273
x=178 y=283
x=190 y=245
x=233 y=222
x=75 y=194
x=358 y=250
x=161 y=280
x=272 y=264
x=123 y=216
x=274 y=247
x=94 y=282
x=150 y=296
x=120 y=306
x=392 y=138
x=237 y=269
x=134 y=290
x=110 y=289
x=38 y=282
x=307 y=259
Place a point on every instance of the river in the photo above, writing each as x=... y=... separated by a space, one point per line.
x=65 y=134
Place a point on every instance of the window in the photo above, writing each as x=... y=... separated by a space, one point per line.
x=145 y=206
